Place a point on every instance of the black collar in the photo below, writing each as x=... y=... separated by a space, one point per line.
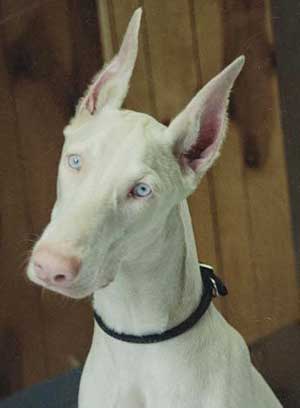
x=212 y=287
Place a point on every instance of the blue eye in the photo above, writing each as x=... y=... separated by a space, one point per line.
x=141 y=190
x=74 y=161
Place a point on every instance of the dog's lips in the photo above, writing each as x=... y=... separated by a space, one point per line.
x=75 y=291
x=70 y=292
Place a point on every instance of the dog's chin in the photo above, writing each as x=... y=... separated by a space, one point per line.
x=76 y=291
x=73 y=293
x=70 y=292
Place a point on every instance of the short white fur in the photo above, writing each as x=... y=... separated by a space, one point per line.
x=139 y=259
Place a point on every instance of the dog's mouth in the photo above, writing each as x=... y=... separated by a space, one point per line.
x=79 y=289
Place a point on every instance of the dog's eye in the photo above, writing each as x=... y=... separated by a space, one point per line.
x=141 y=190
x=74 y=161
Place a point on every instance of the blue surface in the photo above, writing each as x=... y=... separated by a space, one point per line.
x=59 y=392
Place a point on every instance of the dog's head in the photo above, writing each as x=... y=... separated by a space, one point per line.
x=121 y=173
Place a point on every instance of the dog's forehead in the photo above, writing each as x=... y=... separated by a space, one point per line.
x=115 y=133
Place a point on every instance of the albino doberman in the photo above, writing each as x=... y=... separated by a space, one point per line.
x=120 y=230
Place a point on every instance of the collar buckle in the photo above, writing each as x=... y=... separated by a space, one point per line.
x=215 y=291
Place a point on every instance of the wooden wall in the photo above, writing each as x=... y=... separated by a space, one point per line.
x=48 y=52
x=286 y=23
x=241 y=212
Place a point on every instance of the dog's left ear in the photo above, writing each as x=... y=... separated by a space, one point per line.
x=110 y=86
x=197 y=133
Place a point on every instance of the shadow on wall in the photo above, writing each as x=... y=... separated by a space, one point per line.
x=277 y=358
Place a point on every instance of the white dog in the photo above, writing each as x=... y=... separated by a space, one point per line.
x=120 y=230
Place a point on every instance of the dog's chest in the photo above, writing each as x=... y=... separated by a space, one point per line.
x=173 y=375
x=135 y=379
x=112 y=380
x=118 y=392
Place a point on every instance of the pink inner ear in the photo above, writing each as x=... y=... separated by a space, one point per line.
x=208 y=134
x=91 y=102
x=106 y=76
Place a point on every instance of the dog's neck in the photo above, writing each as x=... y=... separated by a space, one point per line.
x=158 y=286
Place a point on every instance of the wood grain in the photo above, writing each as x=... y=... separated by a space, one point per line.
x=257 y=112
x=48 y=54
x=227 y=184
x=17 y=307
x=285 y=20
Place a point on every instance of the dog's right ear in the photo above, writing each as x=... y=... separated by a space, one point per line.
x=110 y=86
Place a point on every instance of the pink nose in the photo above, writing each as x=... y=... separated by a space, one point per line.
x=52 y=267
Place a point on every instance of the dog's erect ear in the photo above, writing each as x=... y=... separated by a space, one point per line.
x=197 y=133
x=110 y=85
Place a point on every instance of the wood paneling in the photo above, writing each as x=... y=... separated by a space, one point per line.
x=48 y=54
x=241 y=211
x=257 y=113
x=286 y=22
